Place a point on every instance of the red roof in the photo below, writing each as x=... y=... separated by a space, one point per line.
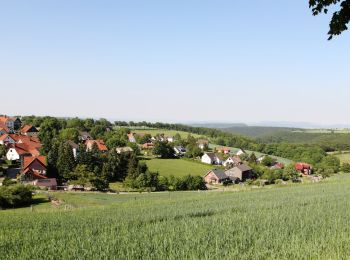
x=4 y=119
x=4 y=127
x=3 y=137
x=100 y=144
x=28 y=160
x=26 y=128
x=302 y=166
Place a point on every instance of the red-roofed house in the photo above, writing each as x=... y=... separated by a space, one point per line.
x=6 y=139
x=34 y=168
x=3 y=129
x=29 y=130
x=132 y=138
x=18 y=151
x=100 y=145
x=50 y=183
x=304 y=168
x=224 y=150
x=8 y=122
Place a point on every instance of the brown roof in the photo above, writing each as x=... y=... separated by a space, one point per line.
x=28 y=128
x=244 y=167
x=28 y=160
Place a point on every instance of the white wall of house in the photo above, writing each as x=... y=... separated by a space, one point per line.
x=206 y=159
x=12 y=154
x=228 y=161
x=240 y=152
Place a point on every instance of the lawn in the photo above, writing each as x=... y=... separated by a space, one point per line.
x=178 y=167
x=302 y=221
x=343 y=157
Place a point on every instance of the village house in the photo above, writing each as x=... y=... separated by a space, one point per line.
x=33 y=168
x=48 y=183
x=132 y=138
x=232 y=161
x=211 y=158
x=261 y=158
x=148 y=145
x=203 y=144
x=170 y=139
x=8 y=122
x=75 y=148
x=242 y=172
x=17 y=153
x=100 y=145
x=241 y=152
x=22 y=146
x=4 y=130
x=125 y=149
x=303 y=168
x=224 y=150
x=7 y=139
x=179 y=150
x=29 y=130
x=215 y=176
x=84 y=136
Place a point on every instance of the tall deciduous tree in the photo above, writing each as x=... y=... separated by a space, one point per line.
x=340 y=18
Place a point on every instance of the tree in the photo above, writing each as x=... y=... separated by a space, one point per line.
x=82 y=176
x=65 y=161
x=49 y=129
x=70 y=134
x=290 y=173
x=52 y=158
x=340 y=18
x=2 y=151
x=268 y=161
x=252 y=158
x=164 y=150
x=133 y=167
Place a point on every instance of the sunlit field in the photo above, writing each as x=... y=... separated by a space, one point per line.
x=301 y=221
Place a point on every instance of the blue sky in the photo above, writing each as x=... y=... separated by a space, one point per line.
x=176 y=61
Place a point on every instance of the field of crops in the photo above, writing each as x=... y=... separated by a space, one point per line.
x=178 y=167
x=305 y=221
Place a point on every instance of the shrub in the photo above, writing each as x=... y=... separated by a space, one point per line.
x=15 y=196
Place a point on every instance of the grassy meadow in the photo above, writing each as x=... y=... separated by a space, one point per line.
x=343 y=157
x=302 y=221
x=178 y=167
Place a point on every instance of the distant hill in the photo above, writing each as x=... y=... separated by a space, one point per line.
x=258 y=131
x=218 y=125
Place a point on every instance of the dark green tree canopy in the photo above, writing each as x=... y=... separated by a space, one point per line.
x=340 y=18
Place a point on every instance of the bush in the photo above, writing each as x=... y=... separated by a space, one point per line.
x=345 y=167
x=15 y=196
x=8 y=182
